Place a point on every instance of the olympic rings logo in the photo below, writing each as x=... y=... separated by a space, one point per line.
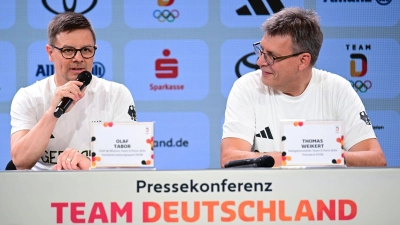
x=360 y=86
x=166 y=15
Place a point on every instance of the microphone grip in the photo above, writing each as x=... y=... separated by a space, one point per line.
x=263 y=161
x=62 y=106
x=65 y=103
x=239 y=163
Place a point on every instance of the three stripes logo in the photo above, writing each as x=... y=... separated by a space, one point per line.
x=266 y=133
x=259 y=7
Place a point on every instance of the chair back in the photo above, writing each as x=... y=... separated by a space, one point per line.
x=11 y=166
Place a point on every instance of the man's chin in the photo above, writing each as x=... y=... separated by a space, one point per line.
x=76 y=72
x=266 y=81
x=72 y=77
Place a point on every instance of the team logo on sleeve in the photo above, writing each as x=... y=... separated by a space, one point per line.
x=364 y=116
x=132 y=112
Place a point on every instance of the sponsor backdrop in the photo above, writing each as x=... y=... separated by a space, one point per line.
x=179 y=58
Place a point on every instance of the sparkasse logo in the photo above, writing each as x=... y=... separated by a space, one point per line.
x=166 y=68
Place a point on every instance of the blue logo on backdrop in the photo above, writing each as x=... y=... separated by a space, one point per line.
x=365 y=13
x=188 y=147
x=380 y=2
x=39 y=66
x=98 y=12
x=45 y=70
x=69 y=9
x=7 y=14
x=172 y=14
x=8 y=62
x=103 y=66
x=252 y=13
x=98 y=69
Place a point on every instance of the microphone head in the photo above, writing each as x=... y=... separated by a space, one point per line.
x=265 y=161
x=85 y=77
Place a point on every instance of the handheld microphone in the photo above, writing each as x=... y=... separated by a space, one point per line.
x=263 y=161
x=85 y=77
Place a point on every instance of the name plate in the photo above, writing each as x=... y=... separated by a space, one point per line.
x=312 y=143
x=122 y=144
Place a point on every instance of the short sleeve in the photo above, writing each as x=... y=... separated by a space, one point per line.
x=22 y=112
x=358 y=127
x=124 y=107
x=239 y=113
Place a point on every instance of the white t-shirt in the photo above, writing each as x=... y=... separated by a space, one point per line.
x=254 y=111
x=104 y=101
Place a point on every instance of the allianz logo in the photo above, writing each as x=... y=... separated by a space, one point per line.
x=45 y=70
x=380 y=2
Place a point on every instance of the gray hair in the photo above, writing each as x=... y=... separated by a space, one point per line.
x=301 y=25
x=67 y=21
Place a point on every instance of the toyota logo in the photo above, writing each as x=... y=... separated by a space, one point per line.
x=69 y=9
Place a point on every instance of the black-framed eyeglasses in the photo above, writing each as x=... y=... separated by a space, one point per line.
x=270 y=59
x=69 y=52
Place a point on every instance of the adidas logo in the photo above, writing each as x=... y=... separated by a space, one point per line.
x=259 y=7
x=266 y=133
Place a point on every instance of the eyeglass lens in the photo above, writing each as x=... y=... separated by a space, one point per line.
x=86 y=52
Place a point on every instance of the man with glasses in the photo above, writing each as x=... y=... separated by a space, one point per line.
x=40 y=140
x=288 y=87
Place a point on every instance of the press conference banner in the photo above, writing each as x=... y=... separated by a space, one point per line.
x=256 y=196
x=180 y=58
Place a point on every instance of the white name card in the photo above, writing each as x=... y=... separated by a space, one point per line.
x=122 y=144
x=312 y=143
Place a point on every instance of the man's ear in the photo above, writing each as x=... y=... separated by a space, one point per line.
x=305 y=60
x=50 y=51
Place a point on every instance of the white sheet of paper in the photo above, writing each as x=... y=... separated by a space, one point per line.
x=122 y=144
x=312 y=143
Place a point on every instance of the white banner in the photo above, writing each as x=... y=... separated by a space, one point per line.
x=259 y=196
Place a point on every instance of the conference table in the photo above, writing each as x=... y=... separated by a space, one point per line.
x=212 y=196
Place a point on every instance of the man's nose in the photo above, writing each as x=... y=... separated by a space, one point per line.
x=261 y=61
x=78 y=56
